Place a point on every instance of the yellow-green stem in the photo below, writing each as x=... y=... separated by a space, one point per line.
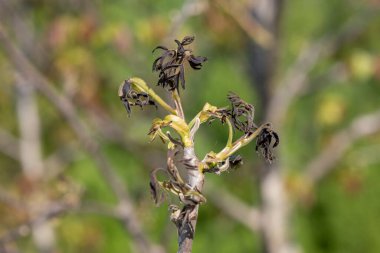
x=241 y=142
x=230 y=133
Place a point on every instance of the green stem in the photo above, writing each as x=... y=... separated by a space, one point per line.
x=241 y=142
x=230 y=133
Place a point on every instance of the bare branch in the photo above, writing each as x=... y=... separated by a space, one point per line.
x=189 y=9
x=52 y=211
x=29 y=125
x=67 y=110
x=30 y=154
x=275 y=211
x=233 y=207
x=247 y=22
x=324 y=162
x=296 y=78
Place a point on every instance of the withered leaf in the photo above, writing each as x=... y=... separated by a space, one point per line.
x=155 y=188
x=170 y=64
x=242 y=114
x=264 y=143
x=130 y=97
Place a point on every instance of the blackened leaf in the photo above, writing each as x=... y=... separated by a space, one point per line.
x=155 y=188
x=242 y=114
x=180 y=48
x=175 y=140
x=159 y=47
x=187 y=40
x=124 y=88
x=160 y=62
x=197 y=59
x=130 y=97
x=151 y=102
x=126 y=105
x=196 y=66
x=156 y=66
x=235 y=161
x=277 y=139
x=264 y=143
x=181 y=76
x=170 y=64
x=176 y=78
x=196 y=62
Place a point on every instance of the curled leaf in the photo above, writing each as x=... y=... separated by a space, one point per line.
x=264 y=143
x=155 y=187
x=170 y=64
x=131 y=97
x=235 y=161
x=187 y=40
x=242 y=114
x=175 y=141
x=196 y=61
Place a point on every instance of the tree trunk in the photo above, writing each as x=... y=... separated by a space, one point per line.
x=263 y=62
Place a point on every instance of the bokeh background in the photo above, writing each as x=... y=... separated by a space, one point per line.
x=74 y=168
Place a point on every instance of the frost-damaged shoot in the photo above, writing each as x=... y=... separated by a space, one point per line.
x=179 y=134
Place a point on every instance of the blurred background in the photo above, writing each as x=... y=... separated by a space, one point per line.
x=74 y=169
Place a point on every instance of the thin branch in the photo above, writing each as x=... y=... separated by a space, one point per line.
x=67 y=110
x=335 y=75
x=29 y=127
x=189 y=9
x=9 y=145
x=233 y=207
x=275 y=211
x=240 y=14
x=31 y=155
x=324 y=162
x=64 y=106
x=55 y=209
x=295 y=80
x=52 y=211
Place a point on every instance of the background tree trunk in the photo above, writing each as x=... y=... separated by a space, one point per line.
x=262 y=70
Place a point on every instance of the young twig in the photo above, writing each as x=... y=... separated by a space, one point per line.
x=239 y=116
